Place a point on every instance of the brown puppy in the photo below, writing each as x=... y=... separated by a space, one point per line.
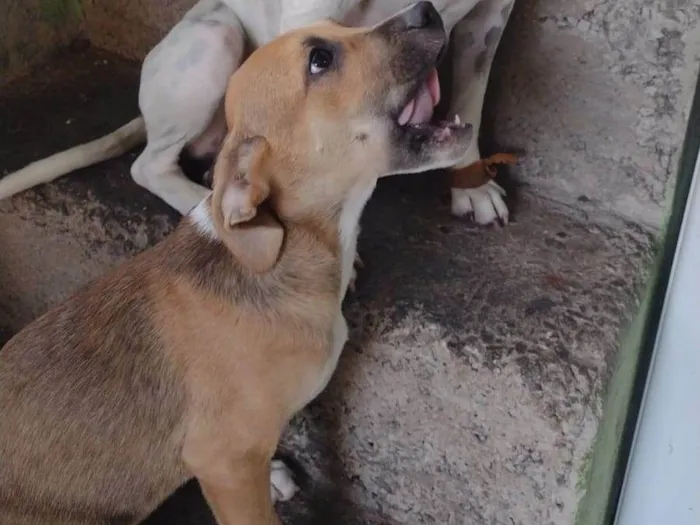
x=190 y=359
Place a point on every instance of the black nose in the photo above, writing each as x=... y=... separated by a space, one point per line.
x=422 y=15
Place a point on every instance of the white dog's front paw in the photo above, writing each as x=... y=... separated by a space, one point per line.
x=484 y=204
x=282 y=485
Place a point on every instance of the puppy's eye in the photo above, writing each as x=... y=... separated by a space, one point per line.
x=319 y=60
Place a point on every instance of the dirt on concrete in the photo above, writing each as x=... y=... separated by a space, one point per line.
x=470 y=390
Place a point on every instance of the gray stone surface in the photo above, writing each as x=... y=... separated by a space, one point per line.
x=469 y=393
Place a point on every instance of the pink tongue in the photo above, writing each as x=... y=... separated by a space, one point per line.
x=420 y=109
x=423 y=107
x=407 y=112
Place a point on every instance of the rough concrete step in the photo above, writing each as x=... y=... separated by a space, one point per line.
x=470 y=390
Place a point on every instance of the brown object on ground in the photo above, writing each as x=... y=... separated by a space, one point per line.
x=481 y=171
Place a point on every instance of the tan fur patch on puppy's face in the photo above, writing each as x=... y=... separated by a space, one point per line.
x=312 y=95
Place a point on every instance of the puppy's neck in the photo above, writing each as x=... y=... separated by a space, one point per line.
x=349 y=228
x=337 y=231
x=351 y=212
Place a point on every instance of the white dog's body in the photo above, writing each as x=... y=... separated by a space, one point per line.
x=184 y=77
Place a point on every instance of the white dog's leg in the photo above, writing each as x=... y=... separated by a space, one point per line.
x=183 y=82
x=157 y=170
x=474 y=40
x=282 y=485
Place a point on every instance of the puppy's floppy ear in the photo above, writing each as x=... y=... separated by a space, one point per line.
x=245 y=221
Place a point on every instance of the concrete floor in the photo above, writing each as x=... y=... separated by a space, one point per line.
x=471 y=389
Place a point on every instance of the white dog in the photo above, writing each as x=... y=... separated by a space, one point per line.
x=184 y=78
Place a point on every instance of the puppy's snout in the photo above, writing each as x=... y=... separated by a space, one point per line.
x=421 y=15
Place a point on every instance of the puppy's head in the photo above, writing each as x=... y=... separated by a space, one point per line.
x=324 y=109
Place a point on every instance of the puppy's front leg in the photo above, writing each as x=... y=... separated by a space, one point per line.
x=238 y=490
x=474 y=40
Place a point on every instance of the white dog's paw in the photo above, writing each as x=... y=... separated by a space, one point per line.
x=282 y=485
x=483 y=204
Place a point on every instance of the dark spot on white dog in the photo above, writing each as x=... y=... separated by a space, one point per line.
x=481 y=61
x=469 y=39
x=493 y=36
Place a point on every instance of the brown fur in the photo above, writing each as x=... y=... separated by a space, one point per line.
x=189 y=360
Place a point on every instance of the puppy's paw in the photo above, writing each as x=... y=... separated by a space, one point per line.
x=484 y=204
x=282 y=485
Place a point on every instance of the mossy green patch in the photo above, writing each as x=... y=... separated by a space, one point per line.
x=60 y=11
x=583 y=472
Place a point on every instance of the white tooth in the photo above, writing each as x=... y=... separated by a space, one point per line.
x=457 y=121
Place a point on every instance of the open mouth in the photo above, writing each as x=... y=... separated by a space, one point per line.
x=416 y=117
